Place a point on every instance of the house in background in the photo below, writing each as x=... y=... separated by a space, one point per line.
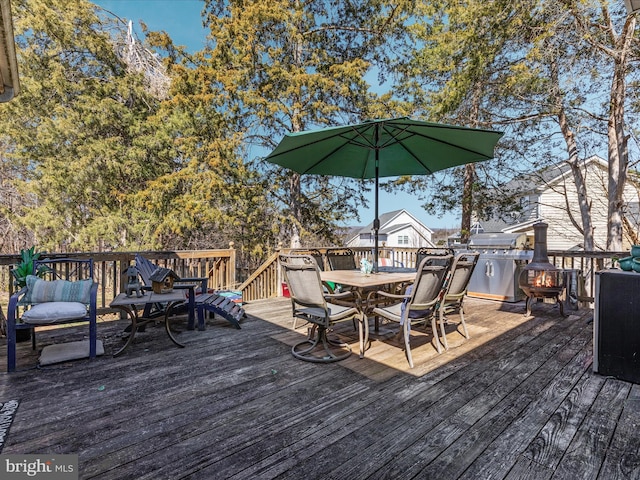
x=551 y=196
x=398 y=229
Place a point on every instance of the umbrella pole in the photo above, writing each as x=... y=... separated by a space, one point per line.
x=376 y=221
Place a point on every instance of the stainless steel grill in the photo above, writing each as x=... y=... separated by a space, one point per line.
x=502 y=258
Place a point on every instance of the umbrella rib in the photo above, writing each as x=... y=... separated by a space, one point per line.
x=395 y=140
x=398 y=141
x=348 y=140
x=450 y=127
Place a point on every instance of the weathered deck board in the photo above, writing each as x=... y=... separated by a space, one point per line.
x=518 y=400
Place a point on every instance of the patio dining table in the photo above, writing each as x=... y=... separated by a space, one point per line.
x=360 y=282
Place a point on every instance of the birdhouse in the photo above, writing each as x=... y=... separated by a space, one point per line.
x=162 y=280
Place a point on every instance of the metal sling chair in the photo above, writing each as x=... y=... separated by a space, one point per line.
x=309 y=302
x=421 y=304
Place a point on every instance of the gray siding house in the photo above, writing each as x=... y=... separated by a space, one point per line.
x=551 y=196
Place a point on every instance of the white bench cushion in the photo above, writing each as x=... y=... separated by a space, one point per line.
x=52 y=312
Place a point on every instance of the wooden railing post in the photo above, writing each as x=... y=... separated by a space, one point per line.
x=279 y=278
x=231 y=279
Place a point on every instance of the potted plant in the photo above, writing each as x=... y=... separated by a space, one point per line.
x=25 y=267
x=20 y=272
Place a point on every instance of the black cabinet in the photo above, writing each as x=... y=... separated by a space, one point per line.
x=616 y=334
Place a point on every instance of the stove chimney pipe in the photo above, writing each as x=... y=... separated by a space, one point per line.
x=540 y=260
x=540 y=243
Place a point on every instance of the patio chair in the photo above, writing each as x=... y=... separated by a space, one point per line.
x=319 y=258
x=66 y=294
x=328 y=287
x=456 y=290
x=423 y=252
x=146 y=269
x=420 y=305
x=341 y=259
x=309 y=302
x=316 y=254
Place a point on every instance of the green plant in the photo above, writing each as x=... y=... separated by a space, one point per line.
x=25 y=267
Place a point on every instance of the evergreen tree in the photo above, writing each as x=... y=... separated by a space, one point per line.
x=81 y=135
x=292 y=66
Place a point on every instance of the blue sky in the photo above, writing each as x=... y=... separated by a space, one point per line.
x=181 y=20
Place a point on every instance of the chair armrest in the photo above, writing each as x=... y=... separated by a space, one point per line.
x=93 y=300
x=338 y=296
x=203 y=281
x=392 y=295
x=328 y=287
x=18 y=294
x=14 y=302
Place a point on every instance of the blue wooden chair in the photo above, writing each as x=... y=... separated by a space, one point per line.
x=205 y=300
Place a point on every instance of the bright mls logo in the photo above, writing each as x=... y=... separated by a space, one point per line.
x=52 y=467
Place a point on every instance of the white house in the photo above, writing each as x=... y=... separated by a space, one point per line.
x=551 y=196
x=397 y=229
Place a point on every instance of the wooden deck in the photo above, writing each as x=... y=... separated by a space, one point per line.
x=517 y=401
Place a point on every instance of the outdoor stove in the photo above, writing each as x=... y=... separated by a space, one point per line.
x=540 y=279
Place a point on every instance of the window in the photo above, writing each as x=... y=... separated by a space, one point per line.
x=403 y=239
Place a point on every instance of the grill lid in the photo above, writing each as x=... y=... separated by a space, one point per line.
x=499 y=240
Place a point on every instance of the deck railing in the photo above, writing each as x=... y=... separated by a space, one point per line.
x=267 y=282
x=586 y=264
x=218 y=266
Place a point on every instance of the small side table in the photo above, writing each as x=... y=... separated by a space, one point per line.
x=130 y=306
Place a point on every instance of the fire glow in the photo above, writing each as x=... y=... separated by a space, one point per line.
x=540 y=279
x=544 y=279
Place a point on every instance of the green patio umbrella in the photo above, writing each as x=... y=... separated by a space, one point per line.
x=383 y=148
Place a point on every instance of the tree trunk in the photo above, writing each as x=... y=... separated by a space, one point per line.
x=296 y=214
x=470 y=171
x=572 y=149
x=618 y=154
x=467 y=202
